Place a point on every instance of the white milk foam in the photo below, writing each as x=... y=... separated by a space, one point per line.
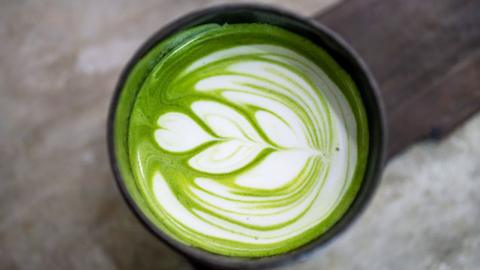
x=295 y=114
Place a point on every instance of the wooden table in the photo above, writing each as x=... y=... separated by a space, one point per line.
x=425 y=56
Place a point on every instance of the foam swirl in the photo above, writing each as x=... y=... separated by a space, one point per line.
x=248 y=149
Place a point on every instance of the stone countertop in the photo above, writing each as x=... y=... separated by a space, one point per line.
x=60 y=208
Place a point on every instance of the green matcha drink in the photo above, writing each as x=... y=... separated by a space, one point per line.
x=243 y=140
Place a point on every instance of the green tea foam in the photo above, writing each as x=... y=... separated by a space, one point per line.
x=244 y=140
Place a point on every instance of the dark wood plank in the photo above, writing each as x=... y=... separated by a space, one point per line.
x=425 y=56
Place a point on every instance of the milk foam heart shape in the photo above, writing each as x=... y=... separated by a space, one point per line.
x=179 y=133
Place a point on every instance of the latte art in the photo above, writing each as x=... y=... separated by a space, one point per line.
x=246 y=140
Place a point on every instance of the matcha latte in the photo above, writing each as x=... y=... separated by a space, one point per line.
x=242 y=140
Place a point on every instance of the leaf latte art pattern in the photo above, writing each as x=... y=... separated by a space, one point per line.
x=244 y=140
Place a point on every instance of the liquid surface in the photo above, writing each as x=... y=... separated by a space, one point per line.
x=244 y=140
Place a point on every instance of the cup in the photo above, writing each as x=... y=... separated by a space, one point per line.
x=344 y=55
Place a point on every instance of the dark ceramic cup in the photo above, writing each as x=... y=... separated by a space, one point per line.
x=340 y=51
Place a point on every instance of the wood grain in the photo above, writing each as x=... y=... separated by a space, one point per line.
x=425 y=56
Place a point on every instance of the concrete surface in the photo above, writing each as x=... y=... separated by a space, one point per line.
x=60 y=209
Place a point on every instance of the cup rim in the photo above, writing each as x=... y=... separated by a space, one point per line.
x=363 y=197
